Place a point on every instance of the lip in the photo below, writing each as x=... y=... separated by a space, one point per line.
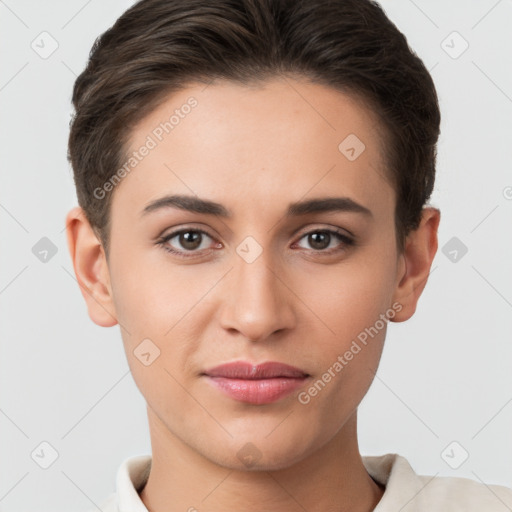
x=256 y=384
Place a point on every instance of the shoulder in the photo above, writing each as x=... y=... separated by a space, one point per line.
x=410 y=492
x=465 y=495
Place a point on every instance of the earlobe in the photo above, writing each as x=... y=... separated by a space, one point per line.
x=91 y=270
x=416 y=261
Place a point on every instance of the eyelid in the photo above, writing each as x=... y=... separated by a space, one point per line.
x=182 y=227
x=336 y=229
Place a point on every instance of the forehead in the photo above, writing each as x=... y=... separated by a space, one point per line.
x=282 y=137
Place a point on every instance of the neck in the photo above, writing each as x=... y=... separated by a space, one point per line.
x=331 y=479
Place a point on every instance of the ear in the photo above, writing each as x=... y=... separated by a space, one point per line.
x=416 y=261
x=91 y=270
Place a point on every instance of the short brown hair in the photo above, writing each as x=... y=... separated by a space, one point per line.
x=159 y=46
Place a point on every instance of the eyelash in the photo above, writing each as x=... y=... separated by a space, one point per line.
x=345 y=240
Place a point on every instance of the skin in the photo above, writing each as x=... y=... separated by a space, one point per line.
x=254 y=150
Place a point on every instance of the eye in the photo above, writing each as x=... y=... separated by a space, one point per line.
x=185 y=241
x=189 y=242
x=327 y=241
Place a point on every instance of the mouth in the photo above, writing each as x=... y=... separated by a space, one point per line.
x=256 y=384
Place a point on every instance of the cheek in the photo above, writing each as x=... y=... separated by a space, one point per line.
x=154 y=294
x=347 y=358
x=162 y=303
x=356 y=307
x=153 y=304
x=350 y=296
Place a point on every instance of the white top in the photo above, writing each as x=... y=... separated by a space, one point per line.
x=405 y=490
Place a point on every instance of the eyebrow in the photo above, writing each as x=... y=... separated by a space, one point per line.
x=204 y=206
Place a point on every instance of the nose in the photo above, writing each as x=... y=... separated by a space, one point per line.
x=256 y=299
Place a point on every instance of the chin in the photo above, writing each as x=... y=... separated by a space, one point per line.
x=260 y=455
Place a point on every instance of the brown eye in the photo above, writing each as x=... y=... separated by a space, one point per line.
x=190 y=240
x=326 y=241
x=319 y=240
x=186 y=242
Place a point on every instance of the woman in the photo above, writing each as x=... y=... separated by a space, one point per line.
x=253 y=178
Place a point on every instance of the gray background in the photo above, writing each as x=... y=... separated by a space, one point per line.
x=445 y=375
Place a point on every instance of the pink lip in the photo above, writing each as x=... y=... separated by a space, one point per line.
x=256 y=384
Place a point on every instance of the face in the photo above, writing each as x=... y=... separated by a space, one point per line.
x=272 y=272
